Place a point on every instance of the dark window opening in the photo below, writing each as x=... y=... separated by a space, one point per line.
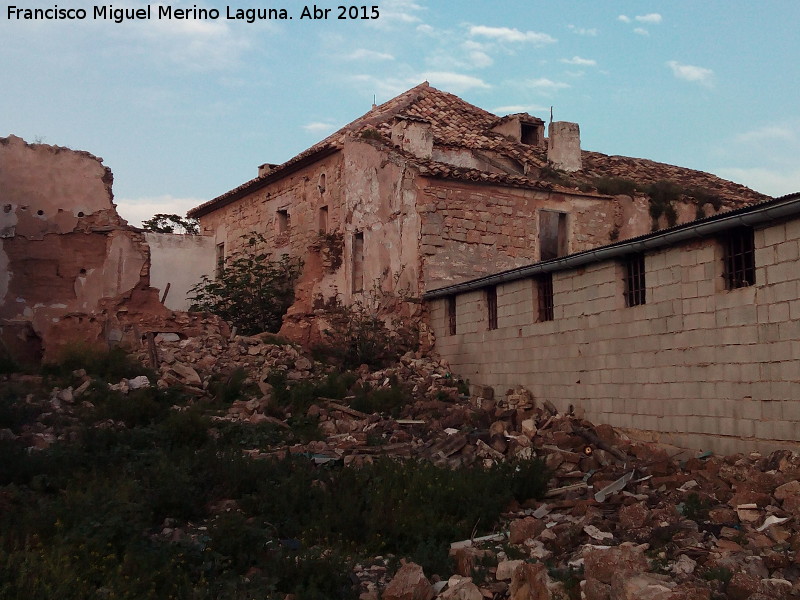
x=635 y=286
x=358 y=262
x=220 y=259
x=283 y=221
x=740 y=264
x=552 y=234
x=544 y=297
x=323 y=219
x=529 y=134
x=491 y=306
x=451 y=315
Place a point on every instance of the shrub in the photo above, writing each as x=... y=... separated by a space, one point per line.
x=163 y=223
x=252 y=291
x=110 y=365
x=359 y=334
x=615 y=185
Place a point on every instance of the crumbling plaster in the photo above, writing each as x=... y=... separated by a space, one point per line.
x=194 y=254
x=72 y=267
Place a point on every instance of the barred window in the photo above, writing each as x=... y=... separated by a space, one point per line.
x=491 y=306
x=635 y=286
x=451 y=314
x=544 y=297
x=740 y=264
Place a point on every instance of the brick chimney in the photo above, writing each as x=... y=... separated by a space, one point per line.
x=564 y=146
x=265 y=169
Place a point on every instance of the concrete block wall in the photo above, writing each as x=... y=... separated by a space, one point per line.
x=697 y=365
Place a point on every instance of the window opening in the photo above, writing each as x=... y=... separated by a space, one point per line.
x=323 y=219
x=552 y=234
x=451 y=314
x=358 y=262
x=635 y=286
x=740 y=266
x=529 y=134
x=544 y=297
x=283 y=220
x=491 y=306
x=220 y=255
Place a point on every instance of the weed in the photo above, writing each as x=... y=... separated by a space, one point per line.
x=252 y=291
x=372 y=134
x=722 y=574
x=614 y=186
x=110 y=365
x=696 y=508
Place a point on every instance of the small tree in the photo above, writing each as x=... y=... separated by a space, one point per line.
x=162 y=223
x=252 y=292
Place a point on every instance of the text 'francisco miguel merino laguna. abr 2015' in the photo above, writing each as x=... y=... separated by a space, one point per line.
x=167 y=12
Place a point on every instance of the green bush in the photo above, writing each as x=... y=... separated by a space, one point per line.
x=615 y=185
x=359 y=335
x=110 y=365
x=251 y=291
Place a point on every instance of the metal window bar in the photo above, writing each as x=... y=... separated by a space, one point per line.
x=491 y=306
x=635 y=286
x=740 y=269
x=451 y=314
x=544 y=293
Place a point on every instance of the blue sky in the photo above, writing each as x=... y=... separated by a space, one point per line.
x=184 y=110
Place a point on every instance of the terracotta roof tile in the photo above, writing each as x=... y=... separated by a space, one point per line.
x=456 y=123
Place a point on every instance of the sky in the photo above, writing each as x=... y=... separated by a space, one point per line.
x=183 y=110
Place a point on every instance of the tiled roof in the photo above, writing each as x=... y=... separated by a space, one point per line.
x=459 y=124
x=646 y=171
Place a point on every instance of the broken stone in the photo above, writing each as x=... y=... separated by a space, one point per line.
x=409 y=583
x=506 y=568
x=530 y=582
x=523 y=529
x=602 y=563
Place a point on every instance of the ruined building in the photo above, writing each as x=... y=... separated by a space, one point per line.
x=428 y=190
x=71 y=270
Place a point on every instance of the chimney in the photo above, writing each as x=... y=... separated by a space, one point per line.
x=413 y=135
x=265 y=169
x=564 y=146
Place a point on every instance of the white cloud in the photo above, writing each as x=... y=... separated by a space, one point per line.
x=426 y=29
x=507 y=34
x=577 y=60
x=583 y=30
x=624 y=19
x=768 y=133
x=546 y=85
x=365 y=54
x=649 y=18
x=319 y=127
x=480 y=59
x=136 y=210
x=519 y=108
x=402 y=12
x=691 y=73
x=641 y=31
x=454 y=82
x=772 y=182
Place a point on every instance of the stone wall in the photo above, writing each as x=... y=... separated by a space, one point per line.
x=474 y=230
x=704 y=366
x=63 y=246
x=71 y=269
x=179 y=261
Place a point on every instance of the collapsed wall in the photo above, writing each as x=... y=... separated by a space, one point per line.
x=71 y=269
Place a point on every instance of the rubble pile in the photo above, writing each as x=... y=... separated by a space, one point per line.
x=622 y=519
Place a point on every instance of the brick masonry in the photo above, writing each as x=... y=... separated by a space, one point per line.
x=697 y=365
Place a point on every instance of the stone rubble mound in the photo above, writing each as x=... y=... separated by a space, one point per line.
x=622 y=519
